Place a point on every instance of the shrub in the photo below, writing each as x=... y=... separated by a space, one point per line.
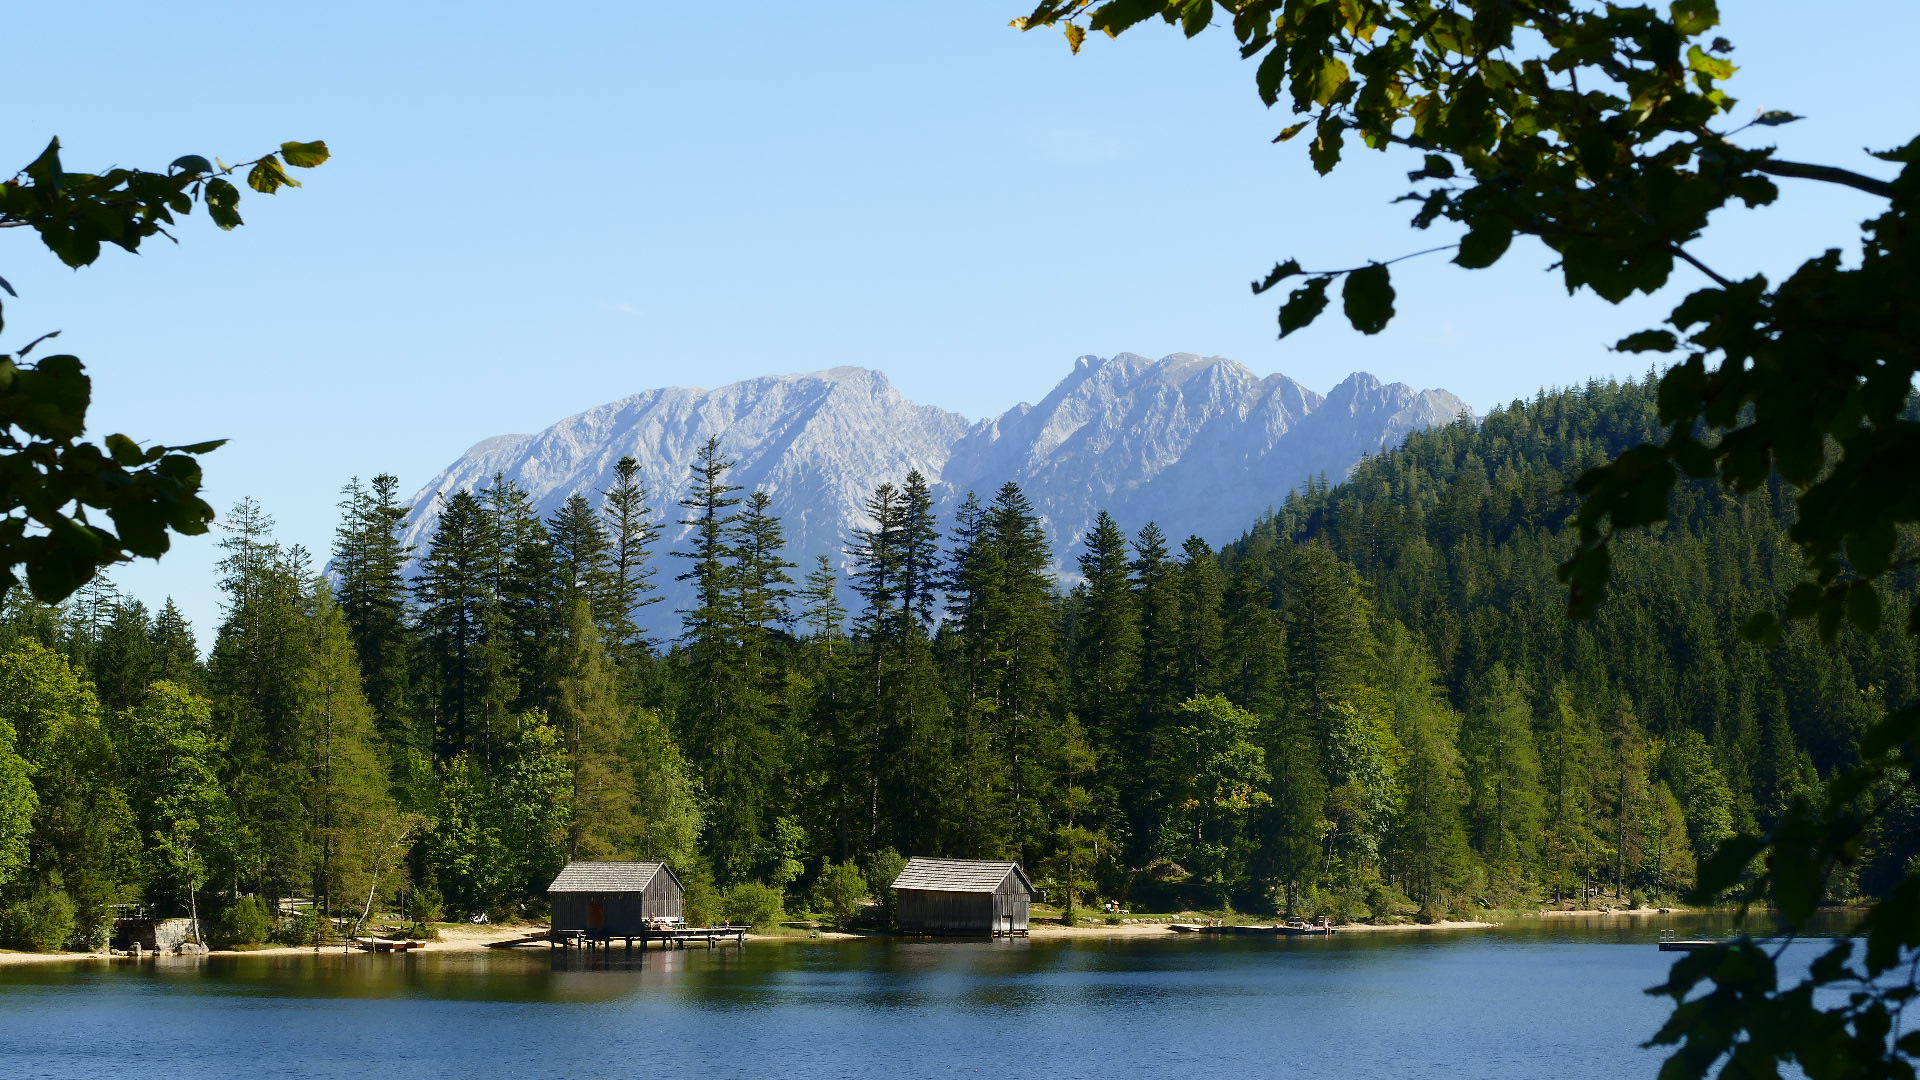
x=753 y=904
x=425 y=905
x=243 y=922
x=302 y=929
x=40 y=921
x=881 y=868
x=840 y=892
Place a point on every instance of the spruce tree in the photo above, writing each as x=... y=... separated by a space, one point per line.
x=587 y=712
x=369 y=561
x=470 y=685
x=1202 y=606
x=344 y=761
x=173 y=656
x=632 y=529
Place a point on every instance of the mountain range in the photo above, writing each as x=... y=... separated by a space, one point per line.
x=1200 y=444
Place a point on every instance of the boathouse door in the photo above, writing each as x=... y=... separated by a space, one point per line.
x=596 y=914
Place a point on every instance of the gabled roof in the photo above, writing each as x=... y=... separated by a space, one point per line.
x=609 y=876
x=959 y=875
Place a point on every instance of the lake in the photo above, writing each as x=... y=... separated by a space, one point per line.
x=1559 y=998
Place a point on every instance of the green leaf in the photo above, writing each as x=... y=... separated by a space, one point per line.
x=1304 y=305
x=1325 y=151
x=1692 y=17
x=124 y=451
x=1280 y=272
x=1116 y=16
x=1761 y=628
x=1711 y=66
x=1196 y=16
x=1776 y=117
x=1863 y=607
x=1368 y=298
x=267 y=177
x=1290 y=130
x=1482 y=246
x=191 y=163
x=223 y=202
x=1332 y=76
x=1647 y=341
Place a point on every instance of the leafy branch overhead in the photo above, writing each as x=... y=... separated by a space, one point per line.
x=1606 y=133
x=69 y=508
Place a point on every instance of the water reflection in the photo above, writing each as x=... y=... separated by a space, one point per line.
x=1546 y=996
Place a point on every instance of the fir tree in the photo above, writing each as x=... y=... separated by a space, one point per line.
x=369 y=561
x=587 y=712
x=632 y=530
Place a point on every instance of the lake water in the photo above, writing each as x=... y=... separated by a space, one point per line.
x=1559 y=998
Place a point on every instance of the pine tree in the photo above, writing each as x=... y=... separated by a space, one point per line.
x=1007 y=667
x=724 y=708
x=526 y=579
x=1157 y=592
x=253 y=675
x=1504 y=803
x=369 y=561
x=1202 y=605
x=470 y=683
x=1106 y=641
x=123 y=657
x=632 y=531
x=583 y=558
x=349 y=808
x=172 y=653
x=587 y=712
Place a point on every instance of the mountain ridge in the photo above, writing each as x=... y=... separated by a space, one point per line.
x=1201 y=444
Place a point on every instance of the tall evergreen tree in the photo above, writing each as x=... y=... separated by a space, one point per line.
x=632 y=529
x=587 y=712
x=350 y=811
x=1202 y=605
x=470 y=684
x=369 y=562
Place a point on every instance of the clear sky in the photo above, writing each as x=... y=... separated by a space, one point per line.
x=534 y=209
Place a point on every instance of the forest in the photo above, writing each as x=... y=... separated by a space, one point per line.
x=1371 y=706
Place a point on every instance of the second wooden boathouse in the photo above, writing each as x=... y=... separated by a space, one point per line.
x=615 y=899
x=976 y=897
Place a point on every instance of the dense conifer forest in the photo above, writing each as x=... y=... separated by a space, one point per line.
x=1372 y=706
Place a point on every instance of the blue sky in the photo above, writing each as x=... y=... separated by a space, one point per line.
x=532 y=210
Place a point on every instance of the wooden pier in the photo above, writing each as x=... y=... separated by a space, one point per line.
x=677 y=937
x=1280 y=930
x=372 y=944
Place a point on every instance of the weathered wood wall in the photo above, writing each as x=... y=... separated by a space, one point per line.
x=626 y=913
x=929 y=911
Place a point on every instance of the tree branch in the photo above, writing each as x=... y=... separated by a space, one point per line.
x=1828 y=173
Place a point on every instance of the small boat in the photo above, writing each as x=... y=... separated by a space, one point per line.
x=1669 y=943
x=1186 y=928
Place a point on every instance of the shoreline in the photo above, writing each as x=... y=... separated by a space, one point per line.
x=476 y=939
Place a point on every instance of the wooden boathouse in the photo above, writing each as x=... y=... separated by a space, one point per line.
x=974 y=897
x=602 y=900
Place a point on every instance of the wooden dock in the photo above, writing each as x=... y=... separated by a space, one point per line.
x=1280 y=929
x=367 y=944
x=679 y=937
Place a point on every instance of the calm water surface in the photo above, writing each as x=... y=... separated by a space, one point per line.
x=1560 y=999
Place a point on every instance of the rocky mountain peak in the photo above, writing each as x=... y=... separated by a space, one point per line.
x=1198 y=443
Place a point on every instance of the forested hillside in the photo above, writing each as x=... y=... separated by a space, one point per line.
x=1370 y=707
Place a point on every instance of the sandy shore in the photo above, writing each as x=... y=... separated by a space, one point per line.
x=481 y=938
x=452 y=939
x=1100 y=930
